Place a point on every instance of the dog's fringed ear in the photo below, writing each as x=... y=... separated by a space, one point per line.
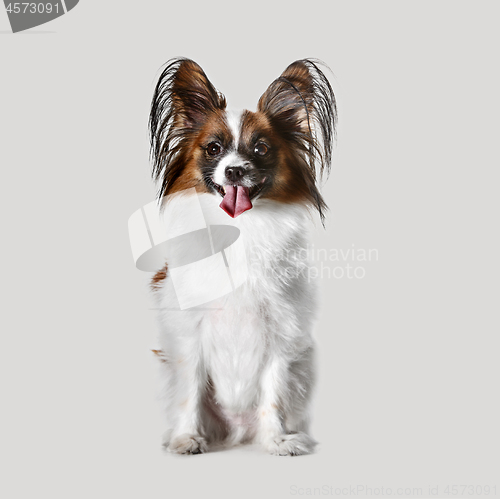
x=289 y=98
x=185 y=94
x=193 y=95
x=301 y=104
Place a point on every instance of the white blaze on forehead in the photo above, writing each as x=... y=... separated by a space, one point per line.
x=233 y=119
x=231 y=158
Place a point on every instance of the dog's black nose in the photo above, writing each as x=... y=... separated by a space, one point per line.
x=235 y=173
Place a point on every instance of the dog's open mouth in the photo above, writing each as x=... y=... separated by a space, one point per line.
x=236 y=199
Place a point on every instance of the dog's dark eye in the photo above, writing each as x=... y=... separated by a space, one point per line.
x=261 y=149
x=214 y=148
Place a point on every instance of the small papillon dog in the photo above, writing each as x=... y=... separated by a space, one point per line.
x=240 y=369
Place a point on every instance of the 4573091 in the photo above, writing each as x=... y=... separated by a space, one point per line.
x=33 y=8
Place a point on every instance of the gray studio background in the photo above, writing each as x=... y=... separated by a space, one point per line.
x=408 y=355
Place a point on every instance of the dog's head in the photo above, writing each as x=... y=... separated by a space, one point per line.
x=277 y=152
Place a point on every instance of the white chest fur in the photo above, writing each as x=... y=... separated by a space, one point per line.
x=258 y=330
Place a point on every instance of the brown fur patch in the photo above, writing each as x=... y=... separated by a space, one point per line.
x=191 y=176
x=158 y=278
x=188 y=179
x=161 y=356
x=292 y=181
x=253 y=123
x=183 y=101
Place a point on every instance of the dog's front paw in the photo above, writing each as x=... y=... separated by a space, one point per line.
x=187 y=444
x=290 y=444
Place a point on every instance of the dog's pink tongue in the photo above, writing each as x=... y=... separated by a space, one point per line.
x=236 y=200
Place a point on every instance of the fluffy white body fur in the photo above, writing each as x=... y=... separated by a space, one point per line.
x=240 y=368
